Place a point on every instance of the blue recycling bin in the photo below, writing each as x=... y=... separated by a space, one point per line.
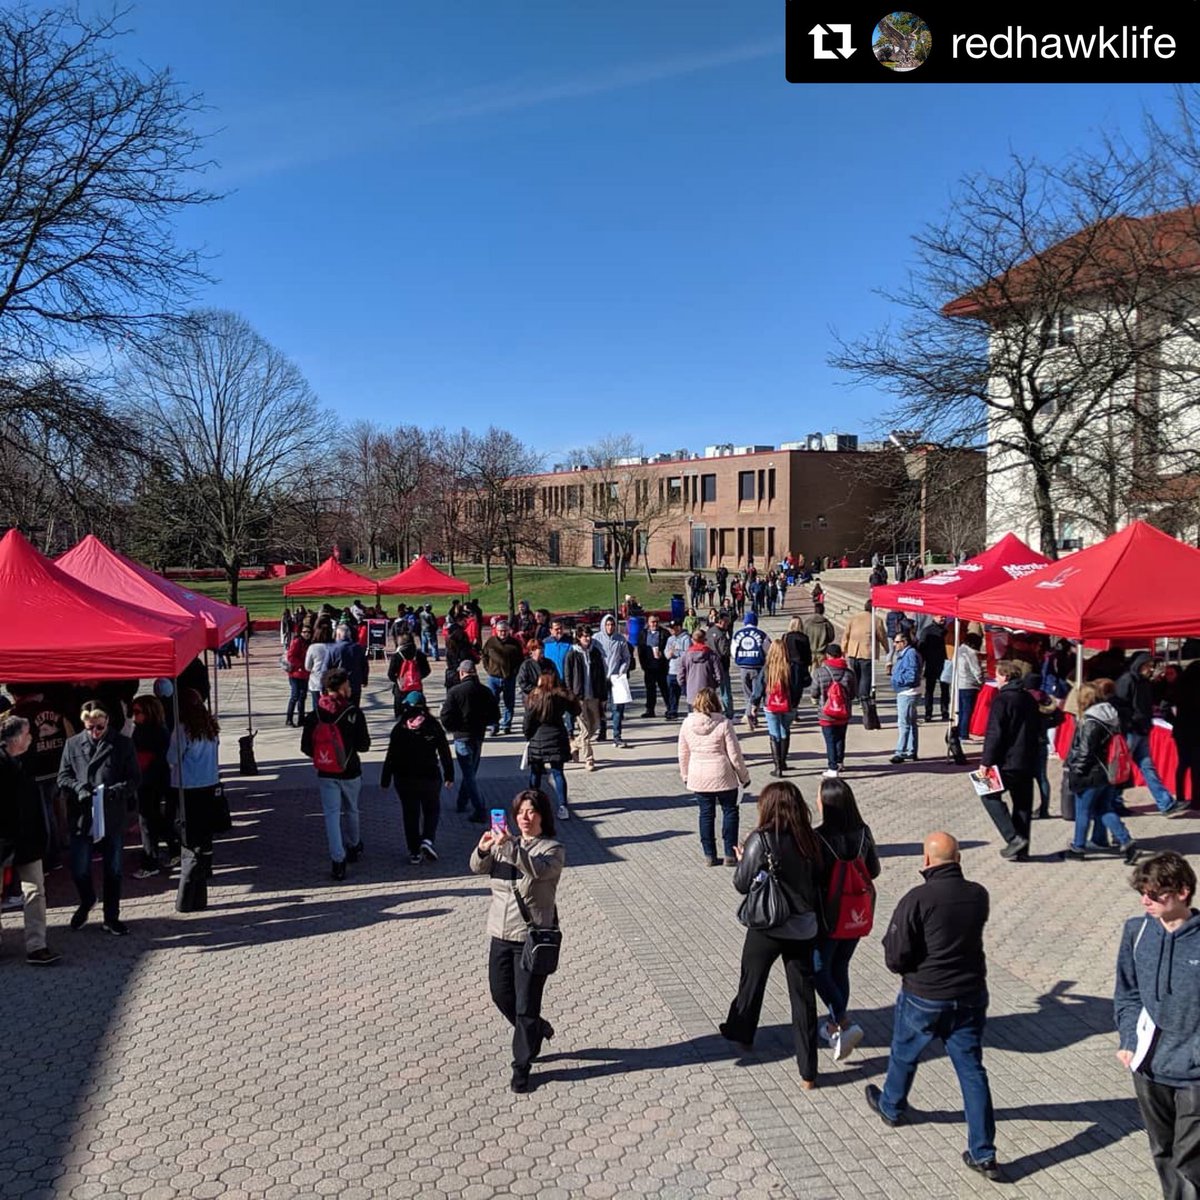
x=633 y=629
x=678 y=608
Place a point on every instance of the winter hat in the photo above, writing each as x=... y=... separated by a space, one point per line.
x=414 y=699
x=751 y=618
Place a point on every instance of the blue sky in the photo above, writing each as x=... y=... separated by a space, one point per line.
x=573 y=219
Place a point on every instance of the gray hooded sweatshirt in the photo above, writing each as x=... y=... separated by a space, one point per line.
x=614 y=647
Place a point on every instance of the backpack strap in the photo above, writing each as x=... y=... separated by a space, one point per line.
x=525 y=915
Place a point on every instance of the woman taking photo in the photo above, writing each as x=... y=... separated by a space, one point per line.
x=192 y=757
x=780 y=703
x=711 y=766
x=843 y=836
x=784 y=832
x=297 y=673
x=524 y=860
x=545 y=729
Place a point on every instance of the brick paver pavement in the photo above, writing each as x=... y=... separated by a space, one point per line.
x=306 y=1038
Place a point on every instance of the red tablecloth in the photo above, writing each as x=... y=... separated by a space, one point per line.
x=1163 y=753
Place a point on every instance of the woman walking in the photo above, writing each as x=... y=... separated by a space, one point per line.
x=784 y=837
x=524 y=861
x=844 y=837
x=419 y=763
x=968 y=678
x=297 y=673
x=316 y=659
x=545 y=730
x=780 y=703
x=193 y=760
x=711 y=766
x=157 y=804
x=834 y=689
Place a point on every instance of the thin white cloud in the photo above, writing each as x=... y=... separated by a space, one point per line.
x=323 y=129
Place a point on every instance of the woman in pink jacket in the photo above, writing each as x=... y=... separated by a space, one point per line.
x=711 y=764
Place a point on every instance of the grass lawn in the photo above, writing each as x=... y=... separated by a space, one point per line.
x=558 y=589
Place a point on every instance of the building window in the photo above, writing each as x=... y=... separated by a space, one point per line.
x=771 y=542
x=762 y=485
x=708 y=489
x=770 y=484
x=758 y=545
x=1058 y=330
x=675 y=490
x=805 y=524
x=745 y=488
x=821 y=522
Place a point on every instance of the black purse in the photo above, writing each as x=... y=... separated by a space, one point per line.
x=765 y=906
x=539 y=955
x=220 y=818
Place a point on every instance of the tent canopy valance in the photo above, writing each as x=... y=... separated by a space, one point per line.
x=422 y=578
x=331 y=579
x=1139 y=583
x=92 y=562
x=941 y=593
x=53 y=628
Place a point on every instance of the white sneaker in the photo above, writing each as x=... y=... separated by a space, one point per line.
x=562 y=813
x=427 y=851
x=847 y=1040
x=830 y=774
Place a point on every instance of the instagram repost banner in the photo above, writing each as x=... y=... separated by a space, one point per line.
x=833 y=42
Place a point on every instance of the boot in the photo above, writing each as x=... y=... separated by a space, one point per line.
x=776 y=757
x=784 y=747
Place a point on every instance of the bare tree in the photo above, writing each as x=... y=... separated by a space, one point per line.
x=1037 y=320
x=96 y=161
x=235 y=420
x=410 y=487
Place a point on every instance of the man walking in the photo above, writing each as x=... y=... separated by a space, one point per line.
x=1011 y=743
x=1134 y=702
x=906 y=680
x=677 y=646
x=856 y=646
x=1157 y=1007
x=935 y=944
x=347 y=655
x=468 y=710
x=502 y=658
x=652 y=653
x=717 y=640
x=932 y=645
x=749 y=650
x=820 y=632
x=587 y=678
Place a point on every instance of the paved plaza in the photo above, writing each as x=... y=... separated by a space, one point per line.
x=307 y=1038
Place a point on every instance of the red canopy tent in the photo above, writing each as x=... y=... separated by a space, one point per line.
x=1139 y=583
x=93 y=563
x=941 y=593
x=422 y=578
x=331 y=579
x=53 y=628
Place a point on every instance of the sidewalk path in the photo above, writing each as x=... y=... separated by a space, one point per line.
x=305 y=1038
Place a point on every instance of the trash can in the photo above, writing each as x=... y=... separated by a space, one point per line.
x=678 y=608
x=633 y=629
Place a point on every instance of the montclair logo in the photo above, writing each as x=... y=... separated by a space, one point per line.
x=1127 y=42
x=1059 y=580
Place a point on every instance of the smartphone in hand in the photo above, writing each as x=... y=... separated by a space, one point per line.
x=498 y=821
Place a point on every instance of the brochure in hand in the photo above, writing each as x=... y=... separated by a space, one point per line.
x=987 y=781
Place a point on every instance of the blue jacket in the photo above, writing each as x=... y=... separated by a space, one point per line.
x=1160 y=971
x=906 y=670
x=200 y=766
x=557 y=653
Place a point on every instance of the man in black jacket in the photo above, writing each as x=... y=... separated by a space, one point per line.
x=1134 y=702
x=935 y=944
x=652 y=653
x=1011 y=743
x=468 y=710
x=347 y=655
x=587 y=679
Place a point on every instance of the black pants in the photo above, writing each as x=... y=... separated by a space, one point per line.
x=518 y=995
x=759 y=952
x=656 y=685
x=933 y=683
x=1172 y=1117
x=195 y=837
x=421 y=804
x=1020 y=790
x=862 y=676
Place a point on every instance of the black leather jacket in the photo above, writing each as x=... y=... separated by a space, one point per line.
x=798 y=876
x=1086 y=760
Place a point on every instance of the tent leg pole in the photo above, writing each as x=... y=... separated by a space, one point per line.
x=1079 y=664
x=246 y=659
x=872 y=690
x=954 y=680
x=215 y=676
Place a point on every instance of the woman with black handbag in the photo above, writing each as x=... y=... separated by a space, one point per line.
x=778 y=871
x=524 y=860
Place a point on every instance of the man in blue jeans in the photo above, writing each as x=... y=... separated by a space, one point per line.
x=935 y=944
x=1134 y=701
x=469 y=709
x=906 y=681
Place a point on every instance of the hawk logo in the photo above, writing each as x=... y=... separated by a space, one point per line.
x=1059 y=580
x=819 y=33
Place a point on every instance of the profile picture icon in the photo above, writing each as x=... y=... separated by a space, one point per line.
x=901 y=41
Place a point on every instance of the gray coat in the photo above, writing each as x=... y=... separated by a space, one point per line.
x=112 y=761
x=530 y=867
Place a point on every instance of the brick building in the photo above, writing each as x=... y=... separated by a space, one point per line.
x=726 y=507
